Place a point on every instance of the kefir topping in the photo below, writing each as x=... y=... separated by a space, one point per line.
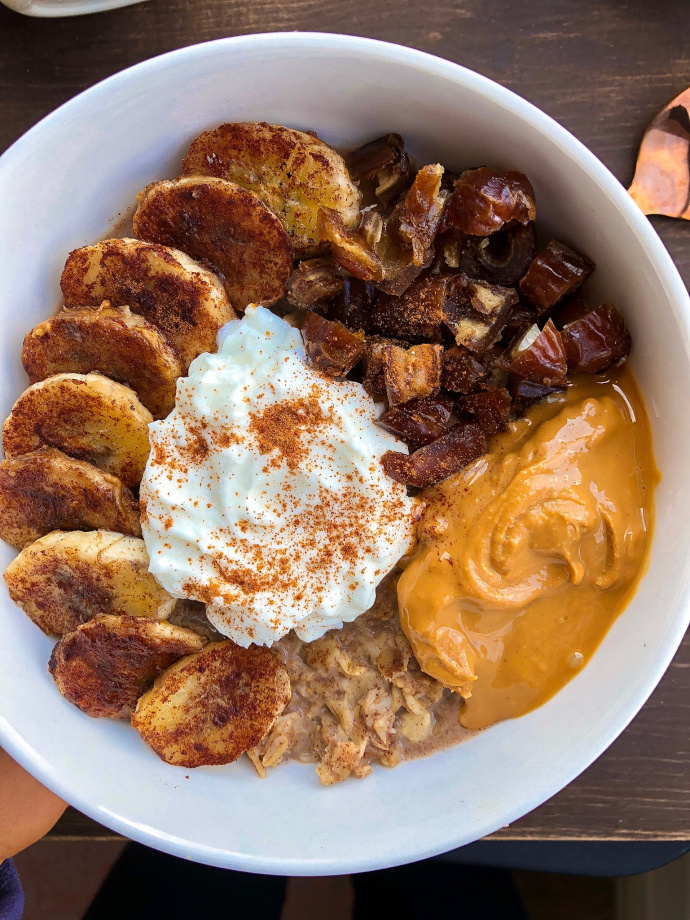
x=264 y=494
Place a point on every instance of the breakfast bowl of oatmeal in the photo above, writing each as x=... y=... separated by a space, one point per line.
x=342 y=496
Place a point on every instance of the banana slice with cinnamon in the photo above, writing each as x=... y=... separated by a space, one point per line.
x=66 y=579
x=214 y=705
x=86 y=416
x=295 y=174
x=46 y=490
x=177 y=295
x=105 y=665
x=112 y=341
x=224 y=226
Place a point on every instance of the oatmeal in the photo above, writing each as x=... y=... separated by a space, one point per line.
x=402 y=334
x=359 y=698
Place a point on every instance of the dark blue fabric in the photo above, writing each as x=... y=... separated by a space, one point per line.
x=11 y=894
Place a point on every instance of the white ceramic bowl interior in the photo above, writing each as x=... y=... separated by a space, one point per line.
x=65 y=183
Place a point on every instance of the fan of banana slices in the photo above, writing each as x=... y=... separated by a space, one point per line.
x=136 y=312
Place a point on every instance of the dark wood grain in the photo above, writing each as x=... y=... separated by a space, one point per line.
x=602 y=68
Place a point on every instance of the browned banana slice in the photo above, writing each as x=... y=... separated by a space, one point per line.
x=294 y=173
x=212 y=706
x=47 y=490
x=111 y=340
x=225 y=227
x=86 y=416
x=105 y=665
x=185 y=301
x=65 y=579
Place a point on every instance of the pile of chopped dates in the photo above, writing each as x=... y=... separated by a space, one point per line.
x=442 y=306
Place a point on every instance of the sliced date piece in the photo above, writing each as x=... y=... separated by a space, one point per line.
x=503 y=257
x=521 y=317
x=525 y=393
x=537 y=355
x=554 y=272
x=571 y=308
x=406 y=245
x=419 y=421
x=490 y=299
x=476 y=312
x=398 y=263
x=412 y=373
x=353 y=305
x=490 y=408
x=422 y=210
x=330 y=347
x=596 y=341
x=374 y=382
x=415 y=316
x=383 y=160
x=349 y=247
x=437 y=461
x=313 y=282
x=485 y=200
x=461 y=372
x=371 y=227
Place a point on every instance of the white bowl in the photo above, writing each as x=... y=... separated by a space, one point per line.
x=51 y=9
x=63 y=185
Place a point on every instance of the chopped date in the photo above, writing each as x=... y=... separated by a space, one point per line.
x=525 y=393
x=476 y=311
x=419 y=421
x=349 y=248
x=485 y=200
x=374 y=382
x=491 y=300
x=597 y=340
x=353 y=305
x=365 y=161
x=412 y=373
x=503 y=257
x=417 y=315
x=385 y=160
x=371 y=228
x=330 y=347
x=400 y=269
x=461 y=372
x=437 y=461
x=422 y=210
x=554 y=272
x=314 y=281
x=406 y=246
x=490 y=408
x=572 y=307
x=521 y=317
x=537 y=355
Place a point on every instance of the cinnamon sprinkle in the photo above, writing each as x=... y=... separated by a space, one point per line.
x=282 y=427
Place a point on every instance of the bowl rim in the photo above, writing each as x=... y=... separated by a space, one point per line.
x=572 y=148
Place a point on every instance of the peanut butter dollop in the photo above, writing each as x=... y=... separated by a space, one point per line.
x=528 y=555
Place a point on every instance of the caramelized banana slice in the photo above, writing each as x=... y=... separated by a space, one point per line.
x=185 y=301
x=211 y=707
x=65 y=579
x=294 y=173
x=224 y=226
x=111 y=340
x=86 y=416
x=105 y=665
x=47 y=490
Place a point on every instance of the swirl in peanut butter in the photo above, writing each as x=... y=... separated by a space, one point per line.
x=527 y=556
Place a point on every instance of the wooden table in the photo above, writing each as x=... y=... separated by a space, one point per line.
x=600 y=67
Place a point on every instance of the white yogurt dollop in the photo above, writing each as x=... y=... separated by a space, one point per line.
x=264 y=495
